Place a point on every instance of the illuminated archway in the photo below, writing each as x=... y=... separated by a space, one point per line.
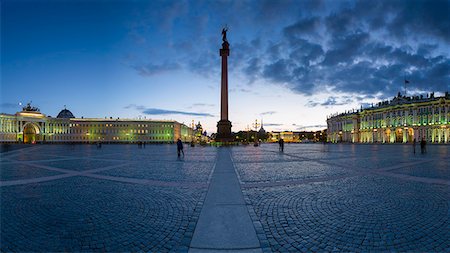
x=399 y=135
x=387 y=136
x=30 y=133
x=410 y=135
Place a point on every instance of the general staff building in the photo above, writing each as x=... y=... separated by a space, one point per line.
x=31 y=126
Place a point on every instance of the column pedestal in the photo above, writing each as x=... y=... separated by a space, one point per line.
x=224 y=131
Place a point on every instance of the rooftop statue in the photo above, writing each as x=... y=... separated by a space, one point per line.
x=29 y=108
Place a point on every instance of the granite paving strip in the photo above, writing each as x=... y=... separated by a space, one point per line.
x=298 y=181
x=67 y=173
x=147 y=181
x=414 y=178
x=224 y=224
x=382 y=171
x=90 y=173
x=35 y=180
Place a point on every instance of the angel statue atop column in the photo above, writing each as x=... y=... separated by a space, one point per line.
x=224 y=34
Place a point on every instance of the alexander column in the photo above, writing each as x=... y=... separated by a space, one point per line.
x=224 y=125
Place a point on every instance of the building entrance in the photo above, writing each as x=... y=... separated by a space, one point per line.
x=399 y=135
x=410 y=135
x=30 y=132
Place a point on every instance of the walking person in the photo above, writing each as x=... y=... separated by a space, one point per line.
x=281 y=143
x=180 y=147
x=414 y=146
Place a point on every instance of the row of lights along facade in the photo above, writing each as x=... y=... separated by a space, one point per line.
x=400 y=120
x=31 y=126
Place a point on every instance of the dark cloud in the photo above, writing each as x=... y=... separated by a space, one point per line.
x=310 y=126
x=268 y=113
x=272 y=124
x=331 y=101
x=358 y=47
x=203 y=105
x=302 y=28
x=253 y=69
x=158 y=111
x=367 y=48
x=280 y=71
x=430 y=18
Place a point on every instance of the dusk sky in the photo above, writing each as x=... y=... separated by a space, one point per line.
x=292 y=63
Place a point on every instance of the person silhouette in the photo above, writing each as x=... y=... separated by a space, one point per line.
x=180 y=147
x=281 y=143
x=414 y=145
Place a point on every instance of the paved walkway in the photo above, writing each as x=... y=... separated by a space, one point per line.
x=224 y=223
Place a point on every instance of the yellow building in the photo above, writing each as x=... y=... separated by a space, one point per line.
x=31 y=126
x=400 y=120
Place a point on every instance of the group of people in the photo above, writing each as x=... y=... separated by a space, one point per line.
x=423 y=146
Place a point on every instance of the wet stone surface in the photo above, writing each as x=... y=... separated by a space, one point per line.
x=85 y=213
x=353 y=203
x=17 y=171
x=291 y=170
x=311 y=198
x=368 y=213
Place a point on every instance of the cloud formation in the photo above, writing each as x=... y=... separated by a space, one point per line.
x=341 y=47
x=8 y=105
x=154 y=69
x=310 y=127
x=272 y=124
x=159 y=111
x=331 y=101
x=268 y=113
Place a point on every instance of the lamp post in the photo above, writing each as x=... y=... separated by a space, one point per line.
x=256 y=125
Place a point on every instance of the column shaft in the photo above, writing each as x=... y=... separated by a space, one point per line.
x=224 y=89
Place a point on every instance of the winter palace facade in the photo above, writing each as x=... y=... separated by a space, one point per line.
x=400 y=120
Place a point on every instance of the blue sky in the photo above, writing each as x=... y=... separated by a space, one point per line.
x=292 y=63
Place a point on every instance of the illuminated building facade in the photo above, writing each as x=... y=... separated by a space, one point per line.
x=31 y=126
x=400 y=120
x=303 y=136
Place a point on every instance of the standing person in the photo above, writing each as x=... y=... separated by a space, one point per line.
x=180 y=147
x=282 y=145
x=422 y=145
x=414 y=145
x=279 y=144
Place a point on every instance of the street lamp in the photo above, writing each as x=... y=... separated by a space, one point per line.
x=256 y=125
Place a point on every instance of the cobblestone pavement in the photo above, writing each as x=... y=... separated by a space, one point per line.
x=118 y=198
x=347 y=198
x=311 y=198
